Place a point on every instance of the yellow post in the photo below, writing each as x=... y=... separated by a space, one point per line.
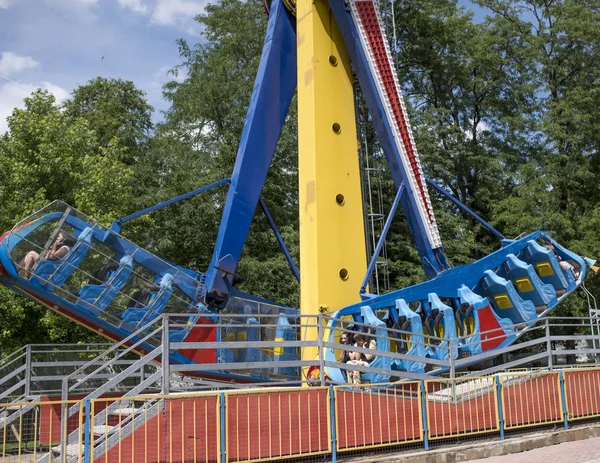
x=332 y=239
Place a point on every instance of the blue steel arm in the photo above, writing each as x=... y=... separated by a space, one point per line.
x=288 y=256
x=273 y=90
x=433 y=260
x=386 y=227
x=464 y=208
x=116 y=225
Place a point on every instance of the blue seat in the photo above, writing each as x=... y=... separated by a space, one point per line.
x=284 y=333
x=528 y=282
x=481 y=319
x=100 y=296
x=447 y=328
x=469 y=325
x=383 y=344
x=546 y=265
x=178 y=334
x=506 y=300
x=154 y=306
x=416 y=330
x=53 y=273
x=253 y=354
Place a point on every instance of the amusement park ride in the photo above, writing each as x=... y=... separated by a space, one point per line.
x=317 y=48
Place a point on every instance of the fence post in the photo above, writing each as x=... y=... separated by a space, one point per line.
x=548 y=345
x=500 y=414
x=424 y=413
x=451 y=358
x=223 y=429
x=87 y=431
x=321 y=350
x=27 y=370
x=564 y=402
x=165 y=357
x=332 y=420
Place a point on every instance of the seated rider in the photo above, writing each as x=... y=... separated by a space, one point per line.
x=347 y=340
x=360 y=359
x=139 y=298
x=101 y=275
x=564 y=265
x=59 y=249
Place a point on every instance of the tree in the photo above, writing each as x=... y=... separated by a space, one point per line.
x=47 y=155
x=114 y=108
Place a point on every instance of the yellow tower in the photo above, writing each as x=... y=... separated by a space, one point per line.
x=332 y=239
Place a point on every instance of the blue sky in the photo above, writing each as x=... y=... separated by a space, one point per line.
x=59 y=44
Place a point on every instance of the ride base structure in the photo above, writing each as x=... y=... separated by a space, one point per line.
x=200 y=325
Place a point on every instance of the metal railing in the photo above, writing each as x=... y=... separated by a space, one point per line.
x=265 y=424
x=132 y=403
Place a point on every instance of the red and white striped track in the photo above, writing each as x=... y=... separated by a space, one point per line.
x=374 y=41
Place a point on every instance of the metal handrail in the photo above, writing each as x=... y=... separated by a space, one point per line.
x=12 y=355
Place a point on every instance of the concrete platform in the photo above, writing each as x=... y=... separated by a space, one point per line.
x=580 y=444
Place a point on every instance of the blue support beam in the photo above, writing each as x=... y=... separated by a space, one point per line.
x=273 y=91
x=464 y=208
x=386 y=227
x=282 y=245
x=116 y=225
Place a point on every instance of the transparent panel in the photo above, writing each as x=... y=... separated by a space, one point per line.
x=93 y=269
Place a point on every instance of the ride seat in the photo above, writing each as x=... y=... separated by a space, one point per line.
x=281 y=354
x=178 y=333
x=506 y=299
x=417 y=347
x=254 y=354
x=53 y=273
x=383 y=344
x=528 y=282
x=546 y=265
x=100 y=296
x=154 y=306
x=484 y=329
x=444 y=327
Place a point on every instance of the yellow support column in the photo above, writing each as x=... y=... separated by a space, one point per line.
x=332 y=239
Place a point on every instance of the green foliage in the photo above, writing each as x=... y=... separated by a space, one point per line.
x=114 y=109
x=48 y=155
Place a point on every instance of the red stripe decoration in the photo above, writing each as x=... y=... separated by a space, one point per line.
x=370 y=23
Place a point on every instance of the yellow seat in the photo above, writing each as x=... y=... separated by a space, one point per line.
x=544 y=269
x=503 y=301
x=524 y=285
x=278 y=351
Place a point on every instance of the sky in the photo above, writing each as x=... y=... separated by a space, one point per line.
x=60 y=44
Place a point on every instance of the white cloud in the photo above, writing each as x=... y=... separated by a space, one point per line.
x=135 y=5
x=172 y=12
x=11 y=63
x=5 y=3
x=59 y=93
x=12 y=95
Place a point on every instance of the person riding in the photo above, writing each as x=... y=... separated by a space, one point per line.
x=59 y=249
x=564 y=265
x=360 y=359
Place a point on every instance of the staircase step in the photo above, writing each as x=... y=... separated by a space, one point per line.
x=103 y=429
x=72 y=450
x=126 y=411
